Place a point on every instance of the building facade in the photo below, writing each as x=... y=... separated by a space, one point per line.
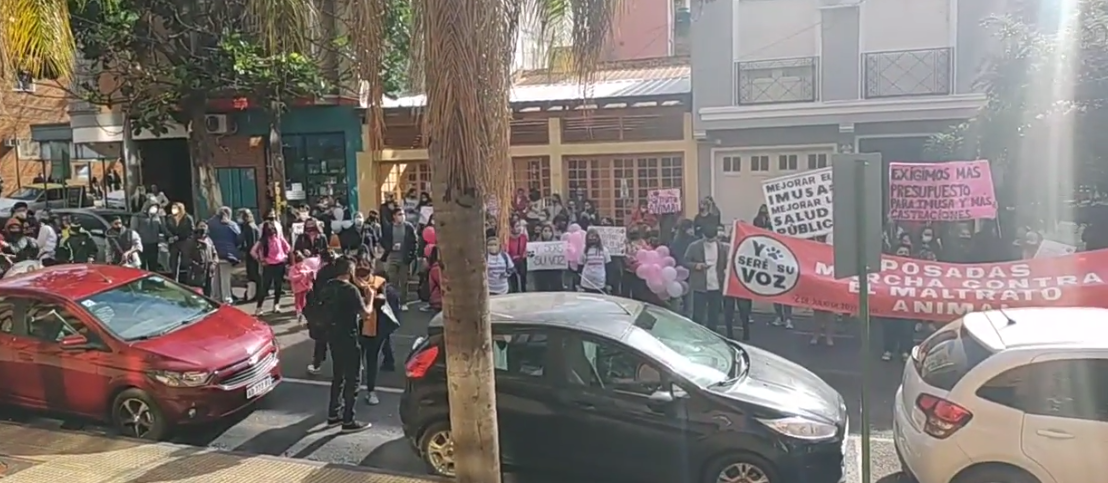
x=24 y=103
x=780 y=85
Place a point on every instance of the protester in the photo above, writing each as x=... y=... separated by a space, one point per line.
x=124 y=245
x=594 y=264
x=198 y=259
x=706 y=260
x=160 y=198
x=709 y=215
x=151 y=228
x=588 y=216
x=179 y=226
x=897 y=334
x=434 y=279
x=643 y=216
x=683 y=236
x=499 y=267
x=317 y=320
x=17 y=247
x=273 y=253
x=400 y=246
x=548 y=280
x=138 y=200
x=347 y=309
x=224 y=233
x=46 y=239
x=517 y=251
x=249 y=234
x=377 y=327
x=313 y=242
x=78 y=246
x=411 y=206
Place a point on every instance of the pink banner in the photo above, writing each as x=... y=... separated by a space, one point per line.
x=952 y=191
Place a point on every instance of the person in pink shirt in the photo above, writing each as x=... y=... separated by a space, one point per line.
x=272 y=252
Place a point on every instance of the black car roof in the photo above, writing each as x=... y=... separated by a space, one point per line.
x=600 y=314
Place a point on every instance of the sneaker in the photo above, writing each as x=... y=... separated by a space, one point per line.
x=371 y=398
x=829 y=341
x=776 y=322
x=887 y=356
x=789 y=324
x=313 y=370
x=355 y=427
x=258 y=312
x=332 y=422
x=425 y=308
x=276 y=309
x=814 y=341
x=403 y=308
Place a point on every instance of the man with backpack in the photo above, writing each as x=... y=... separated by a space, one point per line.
x=352 y=317
x=316 y=314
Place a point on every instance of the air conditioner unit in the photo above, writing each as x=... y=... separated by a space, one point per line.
x=29 y=149
x=11 y=142
x=218 y=124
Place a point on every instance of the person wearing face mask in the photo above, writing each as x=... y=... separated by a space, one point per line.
x=500 y=268
x=548 y=280
x=643 y=217
x=159 y=197
x=124 y=245
x=18 y=247
x=46 y=238
x=683 y=236
x=411 y=206
x=517 y=251
x=224 y=233
x=19 y=212
x=273 y=253
x=151 y=228
x=249 y=234
x=199 y=259
x=312 y=243
x=593 y=265
x=351 y=239
x=708 y=215
x=179 y=226
x=138 y=200
x=400 y=248
x=588 y=216
x=897 y=334
x=78 y=246
x=706 y=260
x=929 y=241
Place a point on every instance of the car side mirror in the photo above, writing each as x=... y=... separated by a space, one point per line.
x=662 y=397
x=96 y=231
x=74 y=342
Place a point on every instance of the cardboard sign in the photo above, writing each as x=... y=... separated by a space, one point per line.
x=664 y=201
x=1051 y=249
x=770 y=267
x=954 y=191
x=425 y=213
x=546 y=256
x=800 y=204
x=614 y=239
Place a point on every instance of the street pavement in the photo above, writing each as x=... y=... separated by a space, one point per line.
x=288 y=422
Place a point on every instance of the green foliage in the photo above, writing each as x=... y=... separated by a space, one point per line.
x=1047 y=104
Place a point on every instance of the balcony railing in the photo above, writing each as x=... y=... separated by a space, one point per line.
x=777 y=81
x=908 y=73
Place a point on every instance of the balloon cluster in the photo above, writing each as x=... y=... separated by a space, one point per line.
x=575 y=244
x=430 y=238
x=661 y=273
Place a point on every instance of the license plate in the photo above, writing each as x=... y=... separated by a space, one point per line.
x=259 y=388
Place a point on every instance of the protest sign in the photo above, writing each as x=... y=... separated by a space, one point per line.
x=425 y=213
x=954 y=191
x=614 y=239
x=546 y=256
x=800 y=204
x=1051 y=249
x=664 y=201
x=771 y=267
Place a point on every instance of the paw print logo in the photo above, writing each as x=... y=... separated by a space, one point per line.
x=774 y=254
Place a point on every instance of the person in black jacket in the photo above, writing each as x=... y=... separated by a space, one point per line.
x=249 y=234
x=347 y=308
x=179 y=227
x=400 y=245
x=78 y=247
x=312 y=243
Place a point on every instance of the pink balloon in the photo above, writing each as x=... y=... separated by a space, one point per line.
x=427 y=250
x=655 y=285
x=663 y=251
x=673 y=289
x=669 y=275
x=429 y=235
x=652 y=257
x=565 y=236
x=643 y=256
x=684 y=287
x=574 y=228
x=682 y=274
x=642 y=271
x=669 y=262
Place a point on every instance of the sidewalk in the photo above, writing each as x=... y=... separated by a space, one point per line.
x=33 y=455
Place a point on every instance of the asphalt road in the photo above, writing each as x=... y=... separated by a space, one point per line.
x=288 y=422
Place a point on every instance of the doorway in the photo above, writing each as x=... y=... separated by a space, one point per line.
x=166 y=163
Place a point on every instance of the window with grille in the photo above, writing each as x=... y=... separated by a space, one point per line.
x=759 y=163
x=787 y=162
x=418 y=176
x=732 y=164
x=532 y=173
x=615 y=185
x=816 y=161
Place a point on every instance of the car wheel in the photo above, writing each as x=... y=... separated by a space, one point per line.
x=437 y=449
x=136 y=415
x=741 y=468
x=995 y=474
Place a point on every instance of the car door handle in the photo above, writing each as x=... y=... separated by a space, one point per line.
x=1054 y=434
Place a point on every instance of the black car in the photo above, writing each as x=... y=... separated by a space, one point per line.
x=596 y=385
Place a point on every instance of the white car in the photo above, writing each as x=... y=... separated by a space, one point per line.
x=1013 y=396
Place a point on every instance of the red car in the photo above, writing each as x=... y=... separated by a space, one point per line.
x=128 y=347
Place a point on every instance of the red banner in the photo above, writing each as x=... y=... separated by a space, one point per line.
x=776 y=268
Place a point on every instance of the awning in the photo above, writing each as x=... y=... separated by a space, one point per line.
x=51 y=132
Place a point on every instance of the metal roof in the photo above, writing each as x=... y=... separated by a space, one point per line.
x=571 y=91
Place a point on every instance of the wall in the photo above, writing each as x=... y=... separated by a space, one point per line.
x=779 y=29
x=18 y=111
x=643 y=29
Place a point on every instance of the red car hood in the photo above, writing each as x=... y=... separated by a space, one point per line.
x=221 y=339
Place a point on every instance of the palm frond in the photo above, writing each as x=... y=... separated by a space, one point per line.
x=35 y=38
x=282 y=26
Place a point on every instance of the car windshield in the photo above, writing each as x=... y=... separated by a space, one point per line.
x=691 y=350
x=26 y=194
x=147 y=307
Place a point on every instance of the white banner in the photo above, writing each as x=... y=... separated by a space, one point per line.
x=1051 y=248
x=546 y=256
x=614 y=239
x=425 y=213
x=800 y=204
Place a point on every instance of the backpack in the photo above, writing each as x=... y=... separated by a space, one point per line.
x=316 y=313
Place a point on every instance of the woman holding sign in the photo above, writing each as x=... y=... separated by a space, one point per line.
x=548 y=280
x=594 y=264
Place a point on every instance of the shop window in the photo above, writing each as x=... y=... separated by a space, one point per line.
x=318 y=162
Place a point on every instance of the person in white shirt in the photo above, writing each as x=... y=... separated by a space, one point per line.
x=706 y=260
x=47 y=239
x=160 y=198
x=594 y=264
x=500 y=267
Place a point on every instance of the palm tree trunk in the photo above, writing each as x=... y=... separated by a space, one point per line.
x=200 y=144
x=467 y=125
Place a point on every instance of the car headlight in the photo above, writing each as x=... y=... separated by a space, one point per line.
x=181 y=379
x=801 y=428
